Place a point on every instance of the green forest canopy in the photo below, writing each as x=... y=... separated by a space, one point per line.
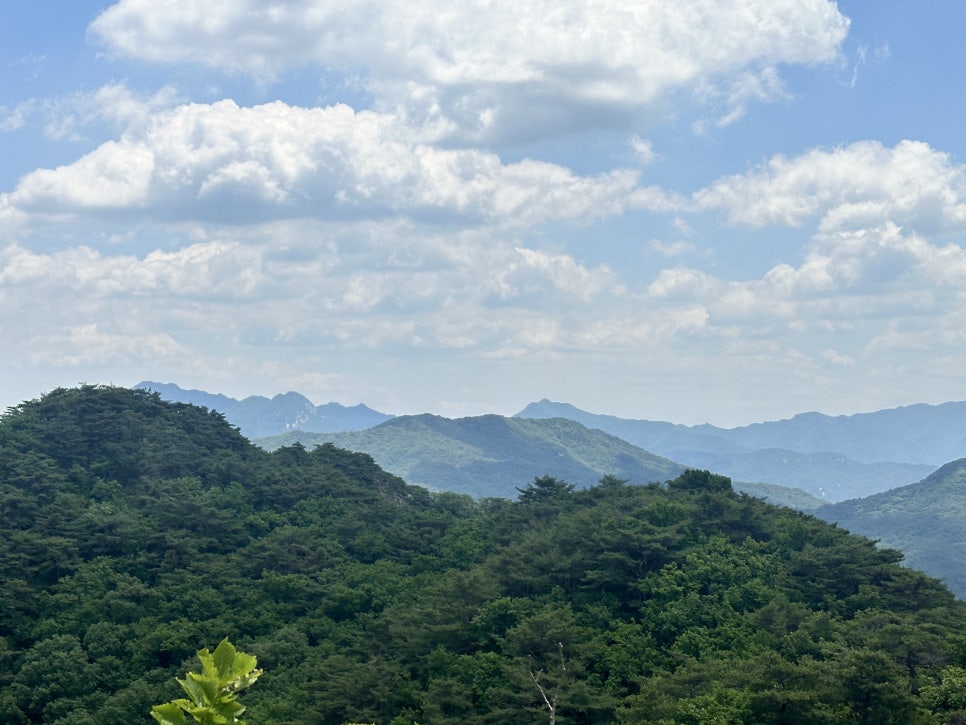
x=137 y=531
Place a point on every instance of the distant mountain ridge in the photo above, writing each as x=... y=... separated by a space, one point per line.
x=835 y=458
x=257 y=416
x=918 y=434
x=492 y=455
x=831 y=458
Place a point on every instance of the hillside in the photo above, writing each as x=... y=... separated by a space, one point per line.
x=257 y=416
x=491 y=455
x=136 y=531
x=833 y=458
x=926 y=520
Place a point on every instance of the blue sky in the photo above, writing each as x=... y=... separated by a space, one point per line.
x=706 y=211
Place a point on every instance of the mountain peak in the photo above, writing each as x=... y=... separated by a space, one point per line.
x=257 y=416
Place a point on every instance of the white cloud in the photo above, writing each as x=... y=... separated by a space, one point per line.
x=837 y=358
x=571 y=277
x=226 y=162
x=76 y=116
x=681 y=282
x=490 y=66
x=734 y=98
x=89 y=345
x=643 y=150
x=858 y=186
x=115 y=176
x=12 y=119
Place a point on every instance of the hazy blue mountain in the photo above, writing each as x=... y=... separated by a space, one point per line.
x=921 y=434
x=648 y=434
x=258 y=416
x=828 y=476
x=925 y=520
x=918 y=434
x=492 y=455
x=832 y=458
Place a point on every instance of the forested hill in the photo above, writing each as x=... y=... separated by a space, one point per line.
x=490 y=455
x=136 y=531
x=926 y=520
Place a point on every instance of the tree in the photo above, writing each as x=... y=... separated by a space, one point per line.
x=544 y=488
x=695 y=480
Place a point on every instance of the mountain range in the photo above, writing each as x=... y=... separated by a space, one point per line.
x=830 y=458
x=915 y=434
x=833 y=458
x=257 y=416
x=493 y=456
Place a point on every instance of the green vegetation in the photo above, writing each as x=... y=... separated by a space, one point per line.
x=491 y=455
x=924 y=520
x=136 y=531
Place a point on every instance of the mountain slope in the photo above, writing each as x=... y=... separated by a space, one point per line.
x=492 y=455
x=257 y=416
x=925 y=520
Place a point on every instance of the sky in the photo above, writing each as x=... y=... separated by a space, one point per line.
x=722 y=211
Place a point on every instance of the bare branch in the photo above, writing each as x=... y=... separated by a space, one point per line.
x=551 y=706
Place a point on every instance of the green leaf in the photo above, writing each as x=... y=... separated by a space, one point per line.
x=224 y=661
x=243 y=665
x=168 y=714
x=200 y=689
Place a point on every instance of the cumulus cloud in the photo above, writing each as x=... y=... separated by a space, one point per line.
x=490 y=67
x=200 y=271
x=858 y=186
x=847 y=286
x=450 y=291
x=231 y=163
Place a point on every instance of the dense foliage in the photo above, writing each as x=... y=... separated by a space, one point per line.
x=136 y=531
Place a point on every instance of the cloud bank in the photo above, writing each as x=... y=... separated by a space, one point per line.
x=483 y=70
